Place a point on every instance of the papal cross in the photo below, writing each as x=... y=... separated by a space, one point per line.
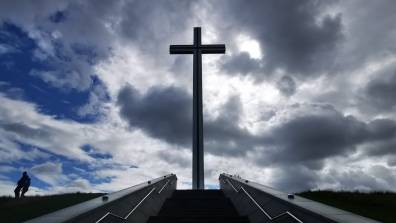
x=197 y=49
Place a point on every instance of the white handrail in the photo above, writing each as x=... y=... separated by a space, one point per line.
x=141 y=201
x=241 y=188
x=109 y=213
x=163 y=186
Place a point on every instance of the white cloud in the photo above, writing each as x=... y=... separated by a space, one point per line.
x=7 y=169
x=49 y=172
x=66 y=138
x=5 y=49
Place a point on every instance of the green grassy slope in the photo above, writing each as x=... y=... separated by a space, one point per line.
x=380 y=206
x=18 y=210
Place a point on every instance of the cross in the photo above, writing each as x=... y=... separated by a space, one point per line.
x=197 y=49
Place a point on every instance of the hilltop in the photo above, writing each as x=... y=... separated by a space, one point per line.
x=379 y=206
x=376 y=205
x=17 y=210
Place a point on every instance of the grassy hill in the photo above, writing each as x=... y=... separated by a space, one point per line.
x=18 y=210
x=380 y=206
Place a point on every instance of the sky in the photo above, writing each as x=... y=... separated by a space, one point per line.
x=304 y=98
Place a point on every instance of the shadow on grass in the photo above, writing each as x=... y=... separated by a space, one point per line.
x=18 y=210
x=380 y=206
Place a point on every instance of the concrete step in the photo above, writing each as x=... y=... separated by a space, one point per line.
x=193 y=206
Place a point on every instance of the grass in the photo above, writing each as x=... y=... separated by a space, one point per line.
x=18 y=210
x=380 y=206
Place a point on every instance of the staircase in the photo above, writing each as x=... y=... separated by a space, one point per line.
x=196 y=206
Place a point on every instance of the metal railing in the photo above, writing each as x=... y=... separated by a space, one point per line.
x=91 y=210
x=135 y=207
x=241 y=188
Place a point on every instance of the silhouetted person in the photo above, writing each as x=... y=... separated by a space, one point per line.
x=26 y=186
x=23 y=184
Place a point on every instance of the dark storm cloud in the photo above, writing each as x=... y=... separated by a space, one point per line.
x=154 y=21
x=380 y=92
x=294 y=35
x=163 y=113
x=381 y=148
x=294 y=178
x=306 y=139
x=381 y=129
x=310 y=138
x=298 y=178
x=241 y=63
x=224 y=136
x=364 y=26
x=392 y=161
x=173 y=157
x=375 y=178
x=180 y=65
x=314 y=137
x=166 y=113
x=286 y=85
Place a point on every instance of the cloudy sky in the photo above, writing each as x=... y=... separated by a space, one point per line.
x=304 y=98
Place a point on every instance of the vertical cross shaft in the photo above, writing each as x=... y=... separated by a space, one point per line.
x=198 y=147
x=197 y=49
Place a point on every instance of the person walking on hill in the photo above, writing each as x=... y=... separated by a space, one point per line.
x=26 y=186
x=23 y=184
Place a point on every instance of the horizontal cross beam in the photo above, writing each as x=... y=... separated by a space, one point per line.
x=189 y=49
